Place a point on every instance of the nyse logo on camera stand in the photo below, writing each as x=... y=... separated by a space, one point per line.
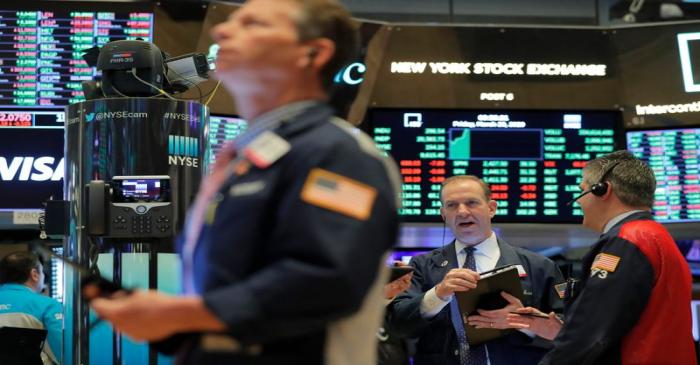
x=183 y=151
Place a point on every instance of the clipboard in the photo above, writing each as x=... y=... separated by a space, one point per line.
x=487 y=295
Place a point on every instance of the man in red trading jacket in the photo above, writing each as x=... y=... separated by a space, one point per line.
x=632 y=305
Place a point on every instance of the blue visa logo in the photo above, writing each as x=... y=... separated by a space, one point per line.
x=183 y=151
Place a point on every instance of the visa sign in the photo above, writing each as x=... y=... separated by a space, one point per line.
x=30 y=168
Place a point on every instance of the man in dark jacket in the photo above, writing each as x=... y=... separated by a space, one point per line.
x=427 y=309
x=284 y=244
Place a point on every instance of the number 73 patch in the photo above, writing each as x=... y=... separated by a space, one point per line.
x=603 y=264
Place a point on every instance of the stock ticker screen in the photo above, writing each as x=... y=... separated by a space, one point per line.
x=41 y=71
x=532 y=159
x=56 y=287
x=673 y=155
x=222 y=129
x=42 y=43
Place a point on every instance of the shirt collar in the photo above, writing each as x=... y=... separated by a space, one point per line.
x=283 y=112
x=617 y=219
x=487 y=247
x=15 y=286
x=271 y=120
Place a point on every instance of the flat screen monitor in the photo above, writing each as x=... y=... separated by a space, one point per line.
x=531 y=159
x=56 y=287
x=43 y=44
x=673 y=154
x=31 y=157
x=223 y=128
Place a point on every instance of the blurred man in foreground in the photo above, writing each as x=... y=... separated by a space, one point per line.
x=284 y=245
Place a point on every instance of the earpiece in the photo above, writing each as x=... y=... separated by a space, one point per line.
x=313 y=52
x=601 y=187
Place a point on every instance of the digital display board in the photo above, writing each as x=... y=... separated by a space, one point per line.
x=31 y=157
x=28 y=118
x=31 y=165
x=532 y=159
x=222 y=129
x=42 y=44
x=56 y=286
x=673 y=154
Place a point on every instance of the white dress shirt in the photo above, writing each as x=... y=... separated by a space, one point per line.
x=486 y=255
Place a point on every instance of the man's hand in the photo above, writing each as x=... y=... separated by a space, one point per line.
x=498 y=318
x=150 y=315
x=456 y=280
x=547 y=328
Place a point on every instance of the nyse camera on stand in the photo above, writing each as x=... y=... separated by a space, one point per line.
x=136 y=68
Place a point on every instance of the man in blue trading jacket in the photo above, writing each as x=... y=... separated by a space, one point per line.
x=426 y=310
x=284 y=245
x=21 y=305
x=632 y=305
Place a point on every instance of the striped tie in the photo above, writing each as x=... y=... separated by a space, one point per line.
x=468 y=355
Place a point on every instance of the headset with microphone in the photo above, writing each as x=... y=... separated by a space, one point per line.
x=599 y=188
x=311 y=56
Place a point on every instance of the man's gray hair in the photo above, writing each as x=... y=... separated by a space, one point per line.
x=633 y=181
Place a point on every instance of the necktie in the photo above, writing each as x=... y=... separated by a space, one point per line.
x=468 y=355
